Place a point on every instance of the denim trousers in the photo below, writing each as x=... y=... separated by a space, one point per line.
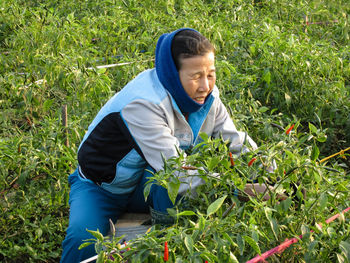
x=91 y=207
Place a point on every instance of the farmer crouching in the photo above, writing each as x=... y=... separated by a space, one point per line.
x=159 y=111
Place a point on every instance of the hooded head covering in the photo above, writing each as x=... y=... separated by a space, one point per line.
x=169 y=76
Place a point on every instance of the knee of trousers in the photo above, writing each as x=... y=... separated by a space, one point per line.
x=76 y=235
x=79 y=232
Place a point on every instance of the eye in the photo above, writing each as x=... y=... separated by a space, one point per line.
x=211 y=76
x=196 y=77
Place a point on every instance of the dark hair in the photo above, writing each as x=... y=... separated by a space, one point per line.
x=187 y=44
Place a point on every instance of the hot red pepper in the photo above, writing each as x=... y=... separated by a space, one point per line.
x=126 y=245
x=251 y=161
x=231 y=159
x=166 y=251
x=289 y=129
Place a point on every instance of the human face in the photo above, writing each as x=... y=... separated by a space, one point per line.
x=197 y=76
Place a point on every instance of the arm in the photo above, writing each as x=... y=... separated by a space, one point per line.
x=224 y=127
x=256 y=189
x=150 y=129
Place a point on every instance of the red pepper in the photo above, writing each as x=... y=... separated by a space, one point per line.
x=126 y=245
x=289 y=129
x=189 y=167
x=166 y=251
x=231 y=159
x=251 y=161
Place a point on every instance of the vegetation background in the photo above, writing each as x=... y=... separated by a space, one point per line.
x=278 y=61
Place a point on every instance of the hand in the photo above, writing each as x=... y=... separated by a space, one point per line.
x=257 y=189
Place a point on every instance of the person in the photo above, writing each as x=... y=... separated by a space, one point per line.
x=160 y=111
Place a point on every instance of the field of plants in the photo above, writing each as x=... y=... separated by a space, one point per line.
x=284 y=73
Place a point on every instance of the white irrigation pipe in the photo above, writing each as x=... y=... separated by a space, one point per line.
x=99 y=67
x=119 y=64
x=89 y=259
x=95 y=257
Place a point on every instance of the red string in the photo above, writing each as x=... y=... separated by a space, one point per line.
x=288 y=242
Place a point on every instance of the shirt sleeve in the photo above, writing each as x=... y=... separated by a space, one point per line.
x=148 y=126
x=225 y=127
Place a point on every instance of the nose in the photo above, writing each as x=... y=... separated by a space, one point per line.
x=204 y=85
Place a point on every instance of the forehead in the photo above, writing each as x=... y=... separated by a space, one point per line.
x=197 y=62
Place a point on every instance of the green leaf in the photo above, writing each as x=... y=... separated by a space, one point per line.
x=340 y=258
x=204 y=136
x=253 y=244
x=255 y=235
x=263 y=109
x=305 y=231
x=213 y=207
x=213 y=162
x=290 y=154
x=228 y=238
x=312 y=128
x=315 y=153
x=275 y=228
x=201 y=223
x=272 y=221
x=241 y=244
x=233 y=258
x=173 y=188
x=141 y=255
x=345 y=248
x=96 y=234
x=287 y=98
x=22 y=178
x=147 y=190
x=267 y=76
x=170 y=8
x=38 y=232
x=323 y=201
x=70 y=17
x=321 y=137
x=189 y=244
x=47 y=104
x=312 y=245
x=85 y=245
x=186 y=213
x=206 y=255
x=101 y=70
x=316 y=176
x=286 y=204
x=101 y=257
x=252 y=50
x=172 y=212
x=331 y=232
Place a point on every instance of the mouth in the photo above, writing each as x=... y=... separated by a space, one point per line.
x=199 y=100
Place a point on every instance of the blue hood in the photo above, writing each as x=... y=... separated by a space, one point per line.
x=169 y=76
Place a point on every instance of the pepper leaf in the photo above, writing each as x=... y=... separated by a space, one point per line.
x=213 y=207
x=189 y=244
x=173 y=189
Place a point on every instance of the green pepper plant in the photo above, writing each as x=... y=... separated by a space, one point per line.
x=215 y=225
